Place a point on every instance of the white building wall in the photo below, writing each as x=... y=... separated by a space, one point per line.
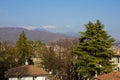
x=12 y=79
x=40 y=78
x=28 y=78
x=116 y=60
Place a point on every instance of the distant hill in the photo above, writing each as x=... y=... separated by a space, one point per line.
x=72 y=34
x=12 y=34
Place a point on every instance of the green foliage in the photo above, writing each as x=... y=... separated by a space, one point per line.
x=93 y=54
x=35 y=47
x=58 y=58
x=8 y=58
x=24 y=50
x=13 y=56
x=50 y=60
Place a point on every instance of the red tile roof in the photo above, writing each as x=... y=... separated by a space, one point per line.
x=116 y=52
x=26 y=70
x=109 y=76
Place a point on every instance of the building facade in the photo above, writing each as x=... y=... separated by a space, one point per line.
x=116 y=59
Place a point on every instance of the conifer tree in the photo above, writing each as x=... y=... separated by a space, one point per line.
x=93 y=54
x=23 y=50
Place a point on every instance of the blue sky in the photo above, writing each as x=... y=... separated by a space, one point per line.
x=60 y=15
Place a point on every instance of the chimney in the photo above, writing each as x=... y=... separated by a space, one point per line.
x=26 y=62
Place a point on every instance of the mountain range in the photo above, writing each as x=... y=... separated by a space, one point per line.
x=11 y=35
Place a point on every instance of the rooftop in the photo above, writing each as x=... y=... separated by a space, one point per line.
x=109 y=76
x=116 y=52
x=26 y=70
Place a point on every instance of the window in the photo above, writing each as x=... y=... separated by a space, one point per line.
x=19 y=78
x=34 y=78
x=118 y=68
x=117 y=59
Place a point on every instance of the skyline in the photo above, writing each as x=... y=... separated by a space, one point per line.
x=60 y=15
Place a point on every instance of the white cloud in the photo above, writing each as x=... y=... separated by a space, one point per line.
x=68 y=26
x=30 y=27
x=49 y=27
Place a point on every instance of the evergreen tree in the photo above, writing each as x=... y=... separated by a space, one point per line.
x=23 y=49
x=93 y=54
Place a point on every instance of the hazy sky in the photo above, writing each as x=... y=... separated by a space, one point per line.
x=60 y=15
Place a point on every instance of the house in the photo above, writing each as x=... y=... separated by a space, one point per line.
x=116 y=59
x=26 y=72
x=109 y=76
x=116 y=74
